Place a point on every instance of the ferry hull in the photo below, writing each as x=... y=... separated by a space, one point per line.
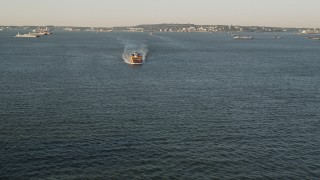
x=136 y=63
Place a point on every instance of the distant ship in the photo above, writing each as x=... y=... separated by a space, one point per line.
x=30 y=35
x=313 y=37
x=242 y=37
x=136 y=58
x=310 y=32
x=41 y=32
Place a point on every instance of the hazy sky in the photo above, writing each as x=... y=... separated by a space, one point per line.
x=289 y=13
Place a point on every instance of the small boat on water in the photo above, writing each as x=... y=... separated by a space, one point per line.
x=242 y=37
x=136 y=58
x=30 y=35
x=313 y=37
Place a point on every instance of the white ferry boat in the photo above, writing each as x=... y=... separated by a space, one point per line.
x=242 y=37
x=136 y=58
x=30 y=35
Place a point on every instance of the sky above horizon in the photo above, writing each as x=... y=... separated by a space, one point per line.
x=107 y=13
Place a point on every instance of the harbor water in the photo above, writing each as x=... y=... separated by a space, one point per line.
x=201 y=106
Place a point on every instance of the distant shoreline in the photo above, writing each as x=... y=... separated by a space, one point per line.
x=172 y=28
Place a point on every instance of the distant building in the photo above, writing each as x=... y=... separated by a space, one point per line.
x=201 y=29
x=136 y=29
x=192 y=29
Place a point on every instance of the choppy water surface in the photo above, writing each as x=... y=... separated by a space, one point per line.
x=202 y=106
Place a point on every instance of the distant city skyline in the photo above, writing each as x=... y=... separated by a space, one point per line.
x=99 y=13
